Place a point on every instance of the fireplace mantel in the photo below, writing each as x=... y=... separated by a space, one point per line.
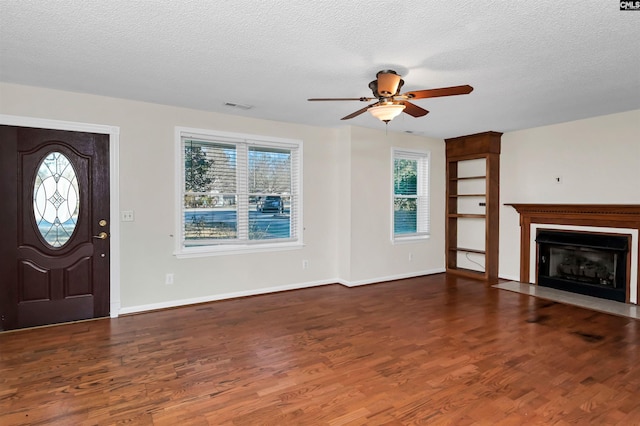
x=626 y=212
x=596 y=215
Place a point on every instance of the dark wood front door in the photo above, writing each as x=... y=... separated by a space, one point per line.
x=54 y=226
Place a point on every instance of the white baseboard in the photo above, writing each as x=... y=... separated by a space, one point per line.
x=212 y=298
x=390 y=278
x=215 y=297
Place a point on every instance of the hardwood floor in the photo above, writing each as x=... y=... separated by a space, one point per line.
x=428 y=350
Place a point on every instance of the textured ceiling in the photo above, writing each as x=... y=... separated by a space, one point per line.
x=531 y=63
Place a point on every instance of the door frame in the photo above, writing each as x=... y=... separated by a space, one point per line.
x=114 y=188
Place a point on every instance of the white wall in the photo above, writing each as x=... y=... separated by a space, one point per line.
x=343 y=203
x=371 y=209
x=597 y=159
x=340 y=204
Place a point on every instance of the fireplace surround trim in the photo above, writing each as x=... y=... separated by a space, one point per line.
x=590 y=215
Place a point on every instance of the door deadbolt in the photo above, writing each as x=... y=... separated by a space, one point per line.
x=102 y=223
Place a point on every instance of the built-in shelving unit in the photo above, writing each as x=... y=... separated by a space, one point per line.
x=473 y=201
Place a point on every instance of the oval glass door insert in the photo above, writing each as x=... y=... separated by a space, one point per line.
x=56 y=199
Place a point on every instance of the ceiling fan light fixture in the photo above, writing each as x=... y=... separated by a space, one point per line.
x=386 y=112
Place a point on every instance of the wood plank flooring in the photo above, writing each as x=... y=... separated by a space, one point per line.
x=429 y=350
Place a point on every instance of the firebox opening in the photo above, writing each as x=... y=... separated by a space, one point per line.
x=587 y=263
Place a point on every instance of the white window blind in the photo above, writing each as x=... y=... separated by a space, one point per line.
x=410 y=194
x=238 y=193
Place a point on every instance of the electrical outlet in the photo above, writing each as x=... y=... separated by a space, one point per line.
x=168 y=279
x=305 y=264
x=126 y=216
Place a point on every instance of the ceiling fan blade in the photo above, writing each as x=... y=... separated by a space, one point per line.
x=414 y=110
x=435 y=93
x=358 y=112
x=363 y=99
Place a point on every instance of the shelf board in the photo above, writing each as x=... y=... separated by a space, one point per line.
x=467 y=250
x=467 y=195
x=468 y=178
x=467 y=215
x=467 y=273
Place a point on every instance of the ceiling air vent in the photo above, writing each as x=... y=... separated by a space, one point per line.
x=239 y=106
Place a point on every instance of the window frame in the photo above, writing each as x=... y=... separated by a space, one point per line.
x=423 y=191
x=228 y=247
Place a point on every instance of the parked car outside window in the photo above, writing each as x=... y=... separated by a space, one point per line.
x=271 y=203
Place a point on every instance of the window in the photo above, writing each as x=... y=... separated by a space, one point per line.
x=410 y=194
x=237 y=193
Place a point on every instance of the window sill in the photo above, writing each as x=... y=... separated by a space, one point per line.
x=410 y=239
x=192 y=252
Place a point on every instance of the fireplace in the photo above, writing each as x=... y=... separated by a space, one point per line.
x=613 y=219
x=593 y=264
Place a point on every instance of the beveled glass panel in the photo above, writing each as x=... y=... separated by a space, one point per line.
x=56 y=199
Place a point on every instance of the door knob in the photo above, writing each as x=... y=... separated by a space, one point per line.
x=101 y=236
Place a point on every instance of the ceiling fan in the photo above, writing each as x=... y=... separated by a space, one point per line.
x=390 y=103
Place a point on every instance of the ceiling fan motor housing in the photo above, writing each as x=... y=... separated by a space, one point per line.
x=387 y=84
